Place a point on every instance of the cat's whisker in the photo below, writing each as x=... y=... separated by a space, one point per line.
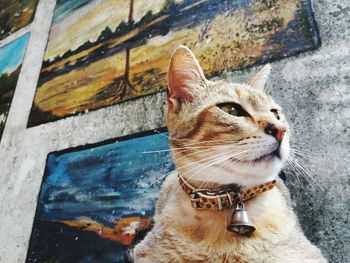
x=209 y=162
x=210 y=150
x=205 y=183
x=296 y=173
x=255 y=153
x=212 y=162
x=298 y=156
x=202 y=166
x=302 y=165
x=303 y=182
x=221 y=160
x=159 y=179
x=161 y=133
x=307 y=174
x=223 y=165
x=169 y=138
x=205 y=141
x=299 y=170
x=297 y=160
x=295 y=148
x=206 y=151
x=190 y=147
x=190 y=140
x=210 y=141
x=222 y=155
x=303 y=154
x=181 y=167
x=181 y=149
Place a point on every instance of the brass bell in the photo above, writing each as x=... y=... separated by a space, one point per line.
x=240 y=222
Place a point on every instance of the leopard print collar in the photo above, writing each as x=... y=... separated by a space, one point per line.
x=219 y=199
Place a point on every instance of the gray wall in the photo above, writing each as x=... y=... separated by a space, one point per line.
x=314 y=89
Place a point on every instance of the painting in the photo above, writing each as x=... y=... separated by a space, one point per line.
x=15 y=14
x=96 y=201
x=104 y=52
x=11 y=57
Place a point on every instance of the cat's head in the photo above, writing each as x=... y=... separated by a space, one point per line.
x=223 y=132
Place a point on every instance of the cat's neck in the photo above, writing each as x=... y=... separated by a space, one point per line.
x=203 y=176
x=267 y=211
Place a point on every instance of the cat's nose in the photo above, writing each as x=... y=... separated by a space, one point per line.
x=275 y=131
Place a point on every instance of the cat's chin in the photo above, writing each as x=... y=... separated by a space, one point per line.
x=254 y=172
x=260 y=170
x=247 y=173
x=266 y=158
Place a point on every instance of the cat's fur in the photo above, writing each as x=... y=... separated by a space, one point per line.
x=211 y=148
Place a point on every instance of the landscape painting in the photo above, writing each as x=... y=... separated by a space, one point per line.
x=102 y=52
x=97 y=201
x=15 y=14
x=11 y=57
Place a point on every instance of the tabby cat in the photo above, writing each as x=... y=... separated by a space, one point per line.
x=224 y=134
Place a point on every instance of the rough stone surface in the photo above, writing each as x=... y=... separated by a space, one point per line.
x=313 y=87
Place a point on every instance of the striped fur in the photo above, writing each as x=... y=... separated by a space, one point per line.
x=211 y=147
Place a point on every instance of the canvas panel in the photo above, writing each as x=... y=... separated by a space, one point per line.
x=96 y=201
x=11 y=57
x=104 y=52
x=15 y=14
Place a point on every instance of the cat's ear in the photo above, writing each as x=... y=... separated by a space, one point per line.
x=260 y=78
x=184 y=75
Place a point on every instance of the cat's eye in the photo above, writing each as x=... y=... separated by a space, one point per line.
x=229 y=109
x=233 y=109
x=275 y=112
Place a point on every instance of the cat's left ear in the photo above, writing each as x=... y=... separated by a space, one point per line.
x=260 y=78
x=185 y=75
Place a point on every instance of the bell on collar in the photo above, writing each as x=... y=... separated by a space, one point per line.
x=240 y=222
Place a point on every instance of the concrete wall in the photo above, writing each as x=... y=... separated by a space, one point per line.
x=314 y=89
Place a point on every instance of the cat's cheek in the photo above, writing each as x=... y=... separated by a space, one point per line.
x=284 y=150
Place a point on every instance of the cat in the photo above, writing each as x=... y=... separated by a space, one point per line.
x=224 y=134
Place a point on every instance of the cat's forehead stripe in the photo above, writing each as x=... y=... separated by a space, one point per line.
x=254 y=99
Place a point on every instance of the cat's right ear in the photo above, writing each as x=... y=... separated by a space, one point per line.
x=260 y=78
x=184 y=76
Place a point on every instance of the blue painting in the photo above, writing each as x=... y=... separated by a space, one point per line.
x=11 y=57
x=97 y=201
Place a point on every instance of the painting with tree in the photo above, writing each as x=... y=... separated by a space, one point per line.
x=11 y=57
x=98 y=200
x=104 y=52
x=15 y=14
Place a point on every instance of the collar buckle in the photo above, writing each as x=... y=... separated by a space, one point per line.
x=196 y=195
x=195 y=199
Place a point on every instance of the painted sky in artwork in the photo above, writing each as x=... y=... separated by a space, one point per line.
x=77 y=182
x=11 y=55
x=87 y=18
x=96 y=57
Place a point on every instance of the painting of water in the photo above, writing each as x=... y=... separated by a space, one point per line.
x=96 y=201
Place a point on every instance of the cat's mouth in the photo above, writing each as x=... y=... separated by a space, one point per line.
x=264 y=158
x=269 y=156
